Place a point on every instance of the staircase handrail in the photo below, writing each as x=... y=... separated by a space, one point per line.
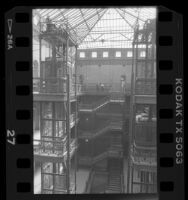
x=89 y=181
x=94 y=104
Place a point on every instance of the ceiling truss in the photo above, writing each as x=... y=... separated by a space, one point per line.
x=99 y=27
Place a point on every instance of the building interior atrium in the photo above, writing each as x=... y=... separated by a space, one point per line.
x=94 y=100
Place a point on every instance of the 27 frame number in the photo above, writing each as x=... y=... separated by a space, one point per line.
x=11 y=137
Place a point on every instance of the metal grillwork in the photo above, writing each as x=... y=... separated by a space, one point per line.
x=54 y=85
x=142 y=149
x=145 y=87
x=55 y=145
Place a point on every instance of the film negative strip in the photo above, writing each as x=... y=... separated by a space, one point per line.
x=20 y=147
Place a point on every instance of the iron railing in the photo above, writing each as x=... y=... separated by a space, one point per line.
x=89 y=181
x=117 y=95
x=54 y=85
x=49 y=147
x=145 y=87
x=94 y=104
x=93 y=133
x=145 y=134
x=96 y=88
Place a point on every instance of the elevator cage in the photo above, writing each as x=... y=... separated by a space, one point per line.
x=55 y=93
x=142 y=176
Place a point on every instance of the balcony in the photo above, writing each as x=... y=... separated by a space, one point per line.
x=144 y=158
x=58 y=189
x=145 y=86
x=53 y=150
x=145 y=134
x=143 y=163
x=49 y=85
x=96 y=89
x=54 y=85
x=117 y=96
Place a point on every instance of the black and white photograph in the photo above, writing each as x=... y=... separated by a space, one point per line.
x=94 y=100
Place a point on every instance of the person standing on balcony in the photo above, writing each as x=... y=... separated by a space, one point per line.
x=102 y=86
x=123 y=83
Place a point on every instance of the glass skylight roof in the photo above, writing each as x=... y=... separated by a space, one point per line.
x=100 y=27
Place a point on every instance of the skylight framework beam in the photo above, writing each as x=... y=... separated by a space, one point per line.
x=112 y=32
x=89 y=29
x=95 y=23
x=86 y=19
x=123 y=17
x=98 y=37
x=125 y=11
x=107 y=41
x=98 y=13
x=48 y=12
x=129 y=39
x=61 y=13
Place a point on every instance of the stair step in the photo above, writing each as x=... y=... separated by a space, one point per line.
x=117 y=186
x=115 y=179
x=113 y=187
x=114 y=182
x=114 y=175
x=111 y=191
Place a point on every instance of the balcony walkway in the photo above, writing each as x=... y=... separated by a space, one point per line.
x=52 y=151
